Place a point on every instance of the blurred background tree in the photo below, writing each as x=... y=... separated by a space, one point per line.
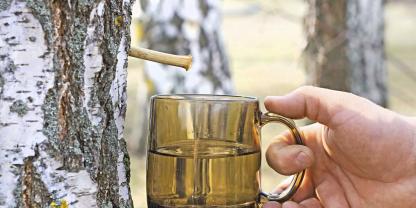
x=184 y=27
x=345 y=49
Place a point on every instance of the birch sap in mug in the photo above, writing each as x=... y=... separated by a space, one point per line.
x=204 y=151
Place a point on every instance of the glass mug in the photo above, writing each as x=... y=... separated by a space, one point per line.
x=204 y=151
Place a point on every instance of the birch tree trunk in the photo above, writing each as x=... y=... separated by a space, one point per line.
x=62 y=103
x=345 y=48
x=185 y=27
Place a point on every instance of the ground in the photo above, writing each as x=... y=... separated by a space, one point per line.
x=264 y=40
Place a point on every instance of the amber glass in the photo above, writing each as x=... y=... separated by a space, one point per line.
x=204 y=151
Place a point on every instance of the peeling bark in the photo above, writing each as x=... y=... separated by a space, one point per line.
x=345 y=49
x=63 y=102
x=185 y=27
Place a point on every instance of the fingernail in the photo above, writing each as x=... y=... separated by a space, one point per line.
x=303 y=159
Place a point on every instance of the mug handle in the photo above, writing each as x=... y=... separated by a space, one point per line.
x=298 y=177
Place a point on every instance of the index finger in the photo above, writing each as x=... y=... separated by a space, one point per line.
x=315 y=103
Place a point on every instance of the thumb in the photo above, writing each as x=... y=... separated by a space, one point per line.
x=286 y=158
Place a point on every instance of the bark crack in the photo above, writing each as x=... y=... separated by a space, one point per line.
x=34 y=193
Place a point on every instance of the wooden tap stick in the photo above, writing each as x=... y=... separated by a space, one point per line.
x=163 y=58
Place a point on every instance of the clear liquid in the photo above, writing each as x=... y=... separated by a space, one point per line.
x=203 y=173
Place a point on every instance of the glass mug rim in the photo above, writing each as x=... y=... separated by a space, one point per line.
x=206 y=98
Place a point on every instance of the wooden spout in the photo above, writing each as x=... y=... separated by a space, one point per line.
x=163 y=58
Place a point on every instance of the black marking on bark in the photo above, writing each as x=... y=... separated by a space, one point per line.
x=11 y=67
x=10 y=38
x=24 y=20
x=32 y=38
x=45 y=54
x=19 y=107
x=14 y=44
x=2 y=81
x=8 y=124
x=39 y=84
x=5 y=4
x=9 y=98
x=23 y=91
x=21 y=50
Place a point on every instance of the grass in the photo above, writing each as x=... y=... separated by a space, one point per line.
x=265 y=41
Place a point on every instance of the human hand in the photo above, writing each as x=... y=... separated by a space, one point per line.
x=358 y=155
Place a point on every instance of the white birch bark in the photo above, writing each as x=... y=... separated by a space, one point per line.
x=62 y=103
x=345 y=48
